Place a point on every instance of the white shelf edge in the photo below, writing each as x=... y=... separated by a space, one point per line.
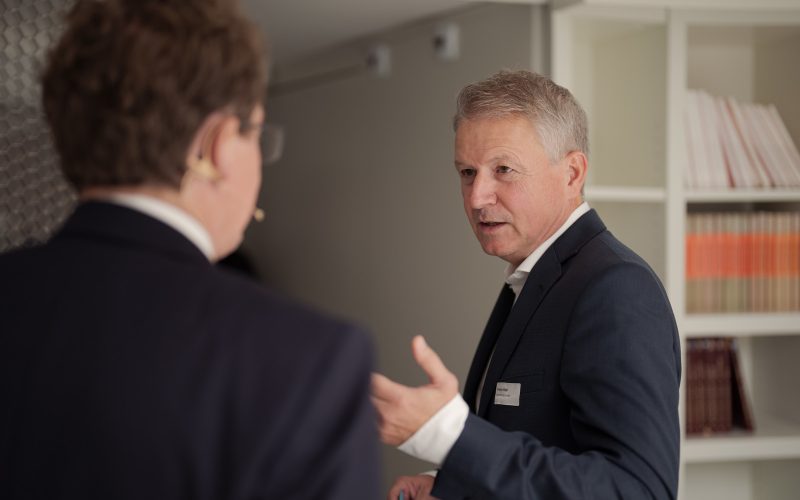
x=626 y=194
x=772 y=440
x=741 y=324
x=642 y=13
x=713 y=6
x=735 y=449
x=742 y=195
x=738 y=12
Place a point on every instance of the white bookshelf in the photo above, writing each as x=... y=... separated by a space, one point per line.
x=631 y=63
x=741 y=325
x=743 y=196
x=625 y=194
x=775 y=439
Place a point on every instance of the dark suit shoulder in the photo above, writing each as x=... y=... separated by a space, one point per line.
x=185 y=369
x=248 y=324
x=608 y=250
x=314 y=367
x=13 y=259
x=256 y=304
x=606 y=254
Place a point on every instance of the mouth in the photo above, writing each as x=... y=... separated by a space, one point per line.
x=486 y=226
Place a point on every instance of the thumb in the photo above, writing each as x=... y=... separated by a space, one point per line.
x=429 y=361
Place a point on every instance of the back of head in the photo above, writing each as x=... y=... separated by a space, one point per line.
x=555 y=113
x=131 y=81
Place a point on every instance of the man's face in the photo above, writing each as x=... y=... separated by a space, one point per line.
x=243 y=159
x=513 y=196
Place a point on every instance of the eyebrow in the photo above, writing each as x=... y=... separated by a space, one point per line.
x=500 y=158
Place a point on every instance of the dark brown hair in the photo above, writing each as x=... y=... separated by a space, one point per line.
x=131 y=81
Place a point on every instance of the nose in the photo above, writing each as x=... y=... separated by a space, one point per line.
x=482 y=192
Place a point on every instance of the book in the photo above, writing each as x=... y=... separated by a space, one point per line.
x=734 y=144
x=741 y=415
x=742 y=262
x=716 y=400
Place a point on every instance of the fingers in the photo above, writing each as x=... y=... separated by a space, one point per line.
x=413 y=487
x=394 y=493
x=430 y=362
x=402 y=410
x=403 y=484
x=383 y=388
x=390 y=430
x=427 y=359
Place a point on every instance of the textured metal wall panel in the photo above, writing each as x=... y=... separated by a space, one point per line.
x=34 y=197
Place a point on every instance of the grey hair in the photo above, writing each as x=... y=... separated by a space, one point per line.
x=555 y=113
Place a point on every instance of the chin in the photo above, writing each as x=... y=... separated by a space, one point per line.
x=229 y=247
x=500 y=253
x=492 y=250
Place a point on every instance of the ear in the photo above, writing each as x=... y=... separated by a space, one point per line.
x=202 y=157
x=577 y=165
x=224 y=144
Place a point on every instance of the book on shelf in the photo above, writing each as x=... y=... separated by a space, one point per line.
x=742 y=262
x=715 y=396
x=734 y=144
x=741 y=413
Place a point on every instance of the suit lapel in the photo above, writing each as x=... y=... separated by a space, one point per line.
x=486 y=344
x=543 y=276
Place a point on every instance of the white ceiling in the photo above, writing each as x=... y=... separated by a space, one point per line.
x=296 y=28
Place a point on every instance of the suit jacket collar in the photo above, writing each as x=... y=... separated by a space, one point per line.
x=488 y=340
x=585 y=228
x=544 y=274
x=116 y=224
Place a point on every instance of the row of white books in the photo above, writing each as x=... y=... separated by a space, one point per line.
x=733 y=144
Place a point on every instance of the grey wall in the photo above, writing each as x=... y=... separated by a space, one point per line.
x=364 y=214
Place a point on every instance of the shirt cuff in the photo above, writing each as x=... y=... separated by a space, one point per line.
x=433 y=441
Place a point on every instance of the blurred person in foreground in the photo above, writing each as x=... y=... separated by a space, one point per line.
x=573 y=390
x=130 y=366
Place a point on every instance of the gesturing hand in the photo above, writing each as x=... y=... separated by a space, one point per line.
x=401 y=409
x=413 y=488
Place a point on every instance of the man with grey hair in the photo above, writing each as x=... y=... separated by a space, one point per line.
x=573 y=390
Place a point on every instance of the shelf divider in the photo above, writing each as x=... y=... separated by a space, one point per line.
x=626 y=194
x=766 y=324
x=773 y=440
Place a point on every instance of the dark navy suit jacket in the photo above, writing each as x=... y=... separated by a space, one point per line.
x=132 y=368
x=592 y=341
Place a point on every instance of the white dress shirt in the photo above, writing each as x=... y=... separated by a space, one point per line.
x=169 y=214
x=434 y=440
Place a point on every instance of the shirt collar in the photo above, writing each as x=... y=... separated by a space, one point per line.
x=516 y=277
x=177 y=218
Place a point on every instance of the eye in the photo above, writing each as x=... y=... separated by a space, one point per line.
x=502 y=169
x=467 y=173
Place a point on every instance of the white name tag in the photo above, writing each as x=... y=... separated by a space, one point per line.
x=507 y=394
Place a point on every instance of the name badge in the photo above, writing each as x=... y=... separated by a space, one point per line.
x=507 y=394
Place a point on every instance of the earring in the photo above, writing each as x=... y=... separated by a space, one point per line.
x=205 y=168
